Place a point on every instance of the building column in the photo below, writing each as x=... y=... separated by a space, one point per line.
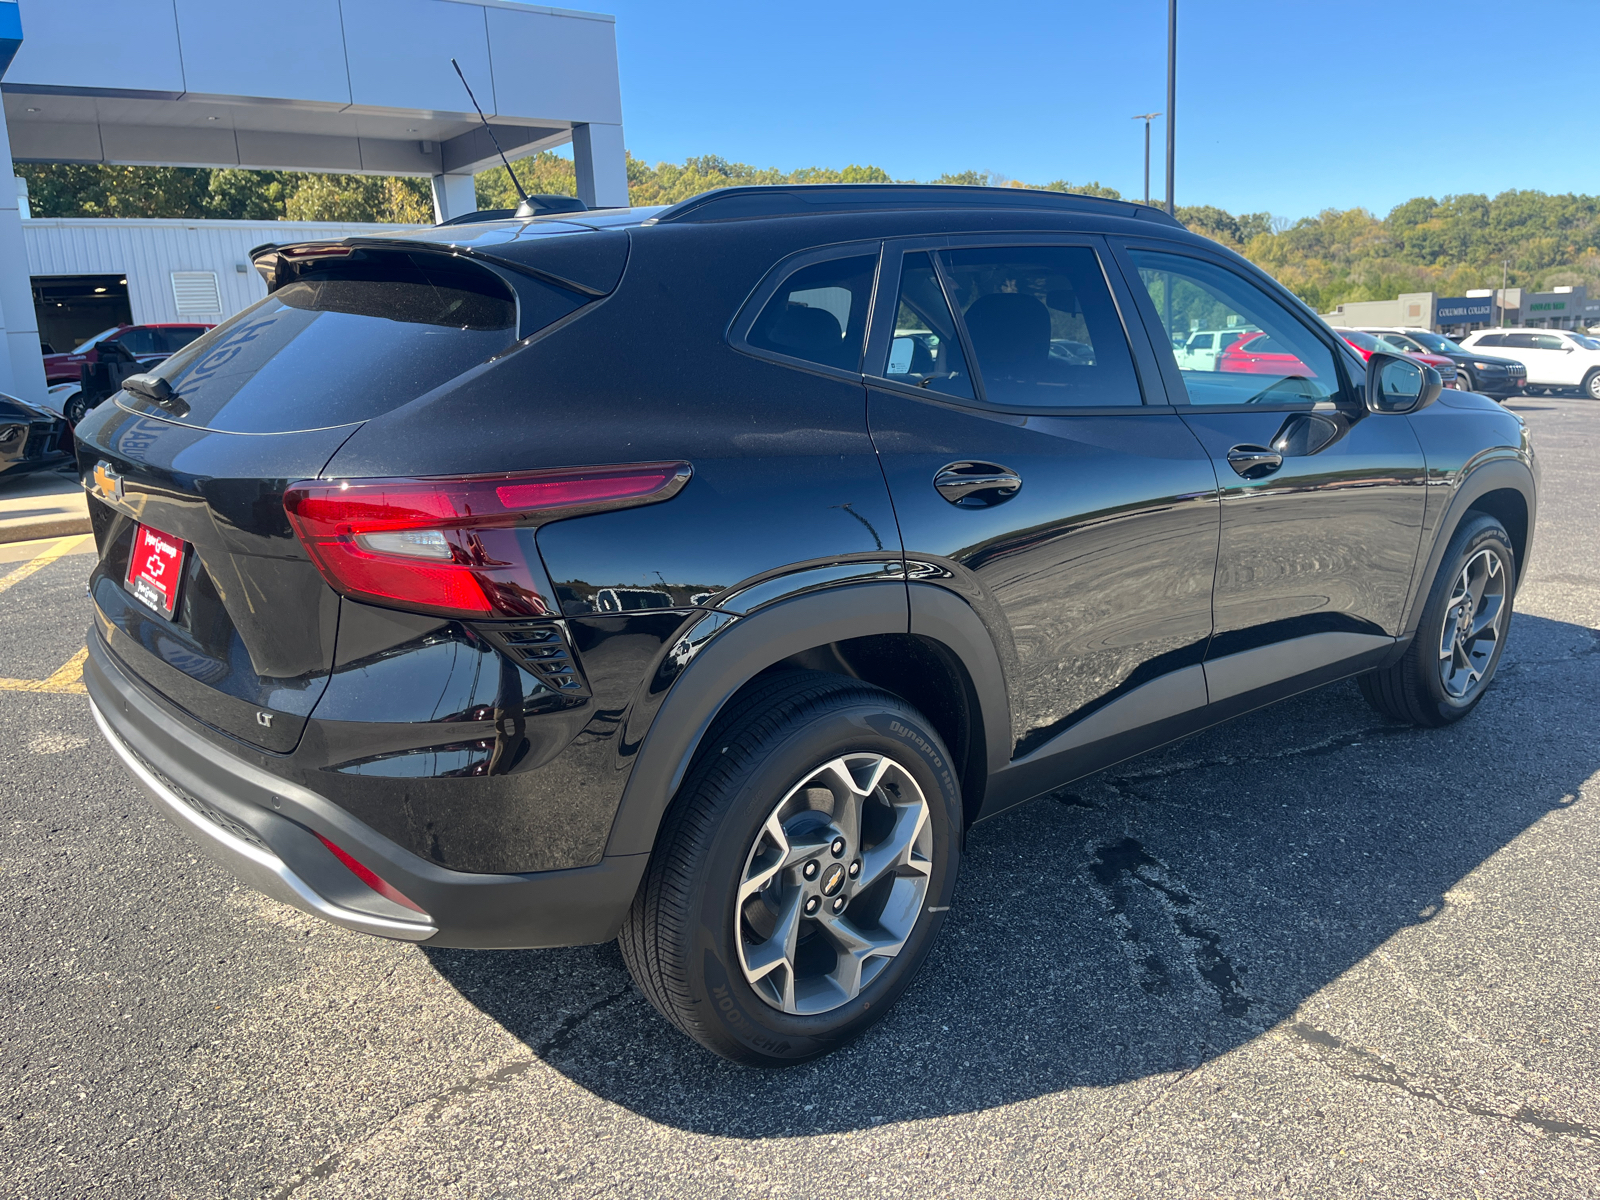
x=602 y=165
x=453 y=196
x=21 y=365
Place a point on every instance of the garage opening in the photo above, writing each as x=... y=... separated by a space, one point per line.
x=73 y=308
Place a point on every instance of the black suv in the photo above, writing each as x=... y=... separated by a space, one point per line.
x=1485 y=374
x=696 y=576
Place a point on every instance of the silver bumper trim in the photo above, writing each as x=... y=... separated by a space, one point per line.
x=254 y=865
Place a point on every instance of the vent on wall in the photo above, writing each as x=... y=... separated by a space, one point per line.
x=196 y=293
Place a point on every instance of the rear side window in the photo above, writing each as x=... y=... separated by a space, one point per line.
x=1042 y=326
x=177 y=339
x=141 y=341
x=1491 y=339
x=819 y=313
x=1520 y=341
x=347 y=342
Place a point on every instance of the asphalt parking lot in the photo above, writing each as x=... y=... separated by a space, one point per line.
x=1305 y=954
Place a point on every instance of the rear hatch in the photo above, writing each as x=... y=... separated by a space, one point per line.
x=257 y=404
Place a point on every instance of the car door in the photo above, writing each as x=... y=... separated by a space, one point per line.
x=1037 y=471
x=1321 y=501
x=1566 y=365
x=1525 y=348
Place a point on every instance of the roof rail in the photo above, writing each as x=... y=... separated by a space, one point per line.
x=784 y=200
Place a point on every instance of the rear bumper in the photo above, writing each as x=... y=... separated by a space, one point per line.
x=264 y=829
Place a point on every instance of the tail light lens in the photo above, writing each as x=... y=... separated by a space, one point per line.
x=371 y=878
x=459 y=546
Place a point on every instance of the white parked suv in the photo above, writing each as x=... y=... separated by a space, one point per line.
x=1205 y=346
x=1557 y=358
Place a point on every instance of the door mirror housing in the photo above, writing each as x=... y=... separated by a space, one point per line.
x=1400 y=385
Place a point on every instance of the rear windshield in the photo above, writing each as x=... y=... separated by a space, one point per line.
x=345 y=343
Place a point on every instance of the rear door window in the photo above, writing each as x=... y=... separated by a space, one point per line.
x=819 y=313
x=141 y=341
x=347 y=342
x=925 y=351
x=177 y=339
x=1042 y=327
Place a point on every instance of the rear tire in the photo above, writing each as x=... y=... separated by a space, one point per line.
x=823 y=816
x=1462 y=632
x=75 y=409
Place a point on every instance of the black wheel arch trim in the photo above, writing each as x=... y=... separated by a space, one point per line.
x=746 y=646
x=1509 y=472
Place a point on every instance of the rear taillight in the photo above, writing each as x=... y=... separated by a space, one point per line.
x=461 y=546
x=370 y=877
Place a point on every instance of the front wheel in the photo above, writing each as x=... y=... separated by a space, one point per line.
x=802 y=873
x=1462 y=632
x=1591 y=385
x=1464 y=380
x=75 y=409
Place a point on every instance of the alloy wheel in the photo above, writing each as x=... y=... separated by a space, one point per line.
x=834 y=884
x=1473 y=622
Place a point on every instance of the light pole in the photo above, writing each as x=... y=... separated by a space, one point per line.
x=1172 y=97
x=1146 y=118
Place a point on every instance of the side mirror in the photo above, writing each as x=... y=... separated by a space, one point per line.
x=1400 y=385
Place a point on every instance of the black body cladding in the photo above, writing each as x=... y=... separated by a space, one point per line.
x=1109 y=582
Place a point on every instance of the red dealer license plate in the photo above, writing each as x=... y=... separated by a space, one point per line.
x=154 y=569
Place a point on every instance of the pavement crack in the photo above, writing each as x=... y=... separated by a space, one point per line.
x=1328 y=745
x=1128 y=860
x=1375 y=1069
x=436 y=1104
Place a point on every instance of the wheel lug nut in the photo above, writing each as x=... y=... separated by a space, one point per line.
x=814 y=903
x=810 y=869
x=855 y=869
x=837 y=847
x=838 y=904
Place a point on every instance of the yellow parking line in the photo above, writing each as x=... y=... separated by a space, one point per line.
x=65 y=681
x=39 y=561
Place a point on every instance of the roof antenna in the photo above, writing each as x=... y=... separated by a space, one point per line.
x=526 y=208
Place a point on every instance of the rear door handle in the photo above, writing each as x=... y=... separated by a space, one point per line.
x=1254 y=462
x=976 y=484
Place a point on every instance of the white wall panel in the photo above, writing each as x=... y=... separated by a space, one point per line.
x=285 y=48
x=298 y=151
x=91 y=44
x=168 y=146
x=52 y=142
x=146 y=253
x=399 y=53
x=559 y=67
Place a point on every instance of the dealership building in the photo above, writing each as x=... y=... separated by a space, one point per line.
x=1560 y=308
x=344 y=86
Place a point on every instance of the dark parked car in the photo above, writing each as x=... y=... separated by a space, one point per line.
x=1486 y=374
x=31 y=437
x=368 y=617
x=148 y=344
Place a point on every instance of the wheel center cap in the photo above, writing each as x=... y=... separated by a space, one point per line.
x=833 y=879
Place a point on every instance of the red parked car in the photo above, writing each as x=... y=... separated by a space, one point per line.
x=149 y=344
x=1364 y=344
x=1259 y=354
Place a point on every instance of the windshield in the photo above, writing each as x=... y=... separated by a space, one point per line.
x=96 y=339
x=1436 y=343
x=1588 y=343
x=1355 y=337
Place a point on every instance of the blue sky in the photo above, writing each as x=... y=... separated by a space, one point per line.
x=1285 y=107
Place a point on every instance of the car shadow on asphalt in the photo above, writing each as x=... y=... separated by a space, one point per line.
x=1136 y=923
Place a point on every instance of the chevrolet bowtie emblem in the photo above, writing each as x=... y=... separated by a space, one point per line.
x=107 y=483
